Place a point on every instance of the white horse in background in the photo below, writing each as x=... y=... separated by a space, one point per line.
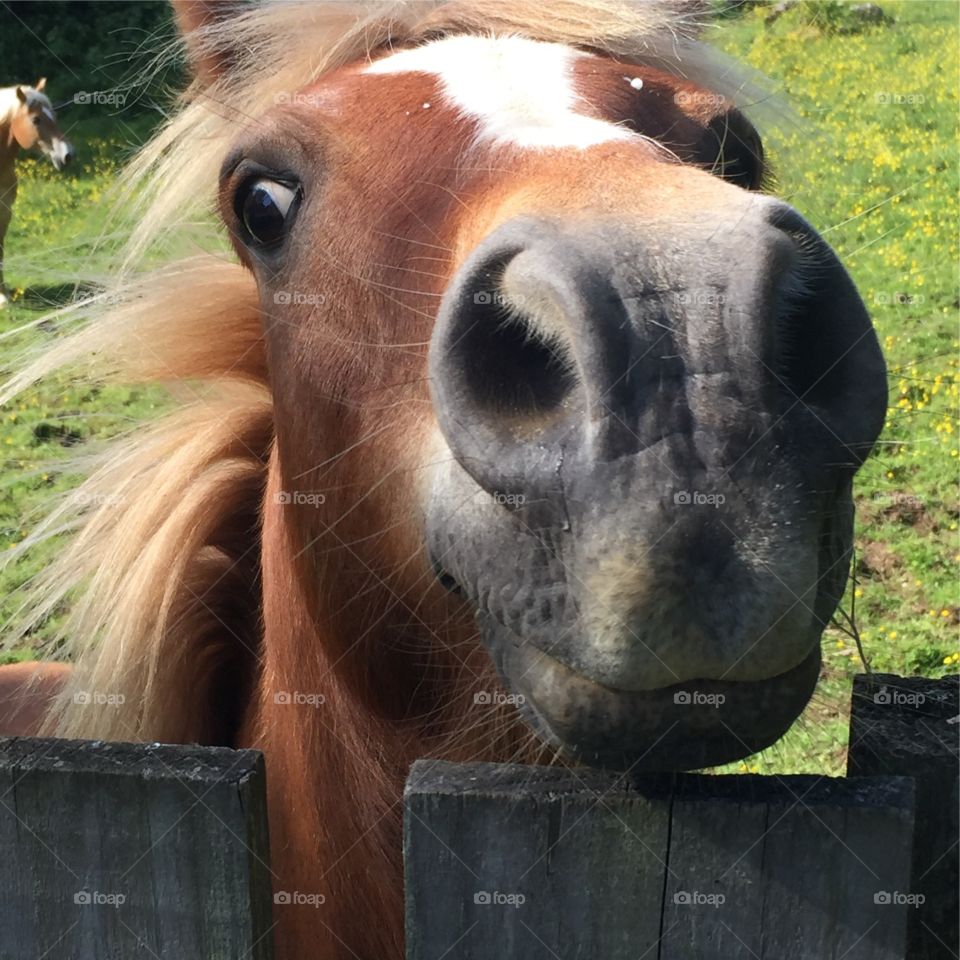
x=27 y=120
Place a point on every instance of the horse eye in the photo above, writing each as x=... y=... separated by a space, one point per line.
x=265 y=208
x=36 y=121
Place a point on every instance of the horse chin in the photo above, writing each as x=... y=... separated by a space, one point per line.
x=59 y=153
x=688 y=726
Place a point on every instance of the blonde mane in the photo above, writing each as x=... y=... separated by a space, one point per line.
x=10 y=103
x=164 y=528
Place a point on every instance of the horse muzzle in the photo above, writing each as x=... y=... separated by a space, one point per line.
x=653 y=433
x=61 y=153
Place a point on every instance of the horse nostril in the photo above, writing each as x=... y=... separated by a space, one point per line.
x=826 y=357
x=509 y=365
x=812 y=333
x=527 y=354
x=445 y=579
x=505 y=377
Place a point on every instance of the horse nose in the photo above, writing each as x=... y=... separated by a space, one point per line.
x=596 y=343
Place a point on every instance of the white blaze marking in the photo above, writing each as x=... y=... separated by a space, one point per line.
x=520 y=91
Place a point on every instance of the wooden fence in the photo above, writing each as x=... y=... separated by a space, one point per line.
x=534 y=863
x=115 y=851
x=909 y=726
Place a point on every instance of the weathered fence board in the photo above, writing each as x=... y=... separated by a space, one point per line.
x=518 y=862
x=120 y=850
x=123 y=850
x=910 y=726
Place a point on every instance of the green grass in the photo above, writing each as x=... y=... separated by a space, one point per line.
x=871 y=162
x=869 y=158
x=59 y=246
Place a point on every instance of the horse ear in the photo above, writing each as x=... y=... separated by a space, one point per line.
x=194 y=19
x=21 y=96
x=40 y=84
x=739 y=150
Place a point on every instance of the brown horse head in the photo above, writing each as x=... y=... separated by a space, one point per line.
x=619 y=394
x=522 y=376
x=34 y=124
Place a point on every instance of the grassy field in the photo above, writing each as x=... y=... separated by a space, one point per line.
x=871 y=161
x=869 y=156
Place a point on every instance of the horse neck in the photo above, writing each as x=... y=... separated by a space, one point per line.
x=9 y=148
x=336 y=769
x=332 y=769
x=379 y=704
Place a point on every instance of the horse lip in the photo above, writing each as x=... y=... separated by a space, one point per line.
x=652 y=730
x=651 y=693
x=60 y=154
x=704 y=684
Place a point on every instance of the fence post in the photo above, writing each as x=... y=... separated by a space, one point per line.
x=119 y=850
x=506 y=862
x=909 y=726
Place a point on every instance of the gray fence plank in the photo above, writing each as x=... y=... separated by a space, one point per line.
x=706 y=865
x=510 y=862
x=490 y=862
x=801 y=863
x=909 y=726
x=120 y=850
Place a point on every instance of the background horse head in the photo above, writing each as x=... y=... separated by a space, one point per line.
x=30 y=122
x=27 y=121
x=516 y=341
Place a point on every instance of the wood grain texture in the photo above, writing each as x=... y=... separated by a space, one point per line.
x=910 y=726
x=114 y=850
x=518 y=862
